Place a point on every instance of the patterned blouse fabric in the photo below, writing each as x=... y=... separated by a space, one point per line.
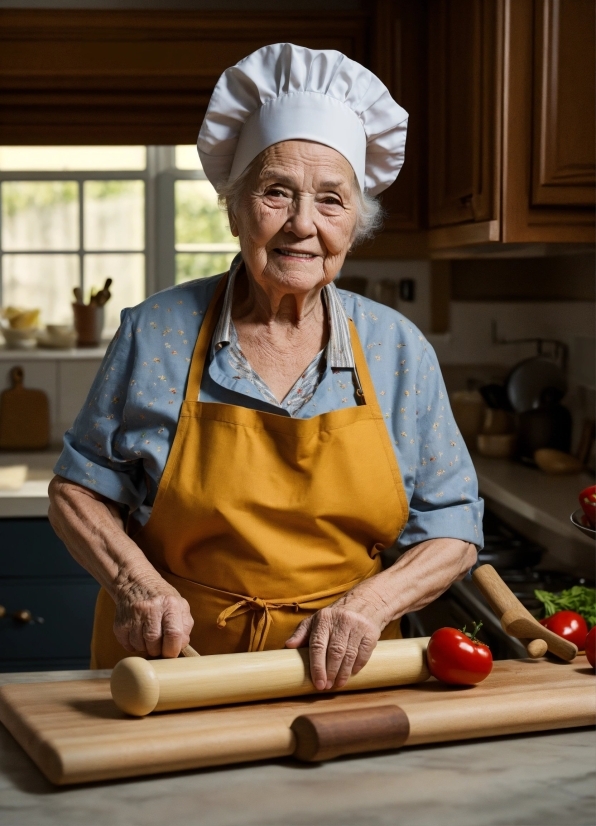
x=226 y=335
x=120 y=441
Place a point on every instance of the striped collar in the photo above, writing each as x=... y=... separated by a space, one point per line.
x=338 y=352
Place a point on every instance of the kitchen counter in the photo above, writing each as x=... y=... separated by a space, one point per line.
x=542 y=779
x=546 y=500
x=32 y=499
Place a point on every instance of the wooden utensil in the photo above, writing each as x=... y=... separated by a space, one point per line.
x=104 y=295
x=325 y=735
x=188 y=651
x=24 y=416
x=75 y=734
x=517 y=620
x=141 y=686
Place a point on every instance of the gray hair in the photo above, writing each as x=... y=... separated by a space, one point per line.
x=370 y=210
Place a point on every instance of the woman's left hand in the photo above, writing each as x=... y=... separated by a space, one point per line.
x=343 y=635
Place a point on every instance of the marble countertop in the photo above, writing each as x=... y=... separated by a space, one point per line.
x=547 y=500
x=533 y=780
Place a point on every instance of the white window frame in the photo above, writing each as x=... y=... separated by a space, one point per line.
x=159 y=176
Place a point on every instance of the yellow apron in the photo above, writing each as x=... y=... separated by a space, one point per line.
x=260 y=519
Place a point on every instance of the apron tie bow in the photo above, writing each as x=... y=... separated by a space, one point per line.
x=261 y=620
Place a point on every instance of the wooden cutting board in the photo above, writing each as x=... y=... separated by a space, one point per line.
x=24 y=416
x=75 y=734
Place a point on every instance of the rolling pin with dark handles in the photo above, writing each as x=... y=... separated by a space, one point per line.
x=517 y=620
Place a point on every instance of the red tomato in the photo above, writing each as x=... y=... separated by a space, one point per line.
x=569 y=625
x=457 y=657
x=591 y=647
x=587 y=500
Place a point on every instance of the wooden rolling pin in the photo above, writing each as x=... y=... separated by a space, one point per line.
x=141 y=686
x=517 y=620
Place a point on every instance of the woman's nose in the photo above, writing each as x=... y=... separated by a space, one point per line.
x=301 y=220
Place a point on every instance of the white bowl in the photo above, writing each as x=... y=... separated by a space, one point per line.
x=20 y=339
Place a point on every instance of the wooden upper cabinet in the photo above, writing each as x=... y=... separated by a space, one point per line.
x=463 y=111
x=548 y=122
x=564 y=91
x=397 y=57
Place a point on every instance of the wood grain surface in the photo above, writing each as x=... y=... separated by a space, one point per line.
x=75 y=734
x=24 y=416
x=324 y=735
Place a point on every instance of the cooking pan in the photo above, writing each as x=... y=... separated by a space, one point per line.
x=535 y=382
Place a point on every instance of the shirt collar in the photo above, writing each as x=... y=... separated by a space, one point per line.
x=338 y=352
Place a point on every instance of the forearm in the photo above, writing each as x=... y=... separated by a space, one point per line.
x=421 y=575
x=93 y=531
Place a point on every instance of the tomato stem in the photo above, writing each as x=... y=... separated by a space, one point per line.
x=473 y=633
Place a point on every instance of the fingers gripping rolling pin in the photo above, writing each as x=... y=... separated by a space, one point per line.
x=141 y=686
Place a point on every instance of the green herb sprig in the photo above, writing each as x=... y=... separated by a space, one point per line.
x=580 y=599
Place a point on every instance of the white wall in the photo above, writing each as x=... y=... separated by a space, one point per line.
x=418 y=310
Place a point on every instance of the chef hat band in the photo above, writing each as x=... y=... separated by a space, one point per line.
x=285 y=92
x=302 y=116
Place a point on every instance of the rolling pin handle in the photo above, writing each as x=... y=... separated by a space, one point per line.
x=189 y=651
x=134 y=686
x=535 y=648
x=335 y=733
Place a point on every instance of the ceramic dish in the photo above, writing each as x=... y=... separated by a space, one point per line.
x=578 y=518
x=20 y=338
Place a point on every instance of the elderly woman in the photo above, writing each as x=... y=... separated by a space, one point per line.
x=253 y=441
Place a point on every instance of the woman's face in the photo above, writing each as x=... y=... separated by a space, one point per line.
x=297 y=217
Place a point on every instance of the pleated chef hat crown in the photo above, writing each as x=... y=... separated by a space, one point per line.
x=285 y=92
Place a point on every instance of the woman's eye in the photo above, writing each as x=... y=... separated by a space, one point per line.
x=332 y=201
x=276 y=193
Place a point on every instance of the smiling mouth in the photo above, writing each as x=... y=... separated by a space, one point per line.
x=295 y=254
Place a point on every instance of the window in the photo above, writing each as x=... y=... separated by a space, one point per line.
x=73 y=216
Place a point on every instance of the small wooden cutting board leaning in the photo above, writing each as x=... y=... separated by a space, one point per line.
x=24 y=416
x=75 y=733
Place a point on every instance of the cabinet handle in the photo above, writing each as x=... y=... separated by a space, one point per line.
x=24 y=616
x=469 y=201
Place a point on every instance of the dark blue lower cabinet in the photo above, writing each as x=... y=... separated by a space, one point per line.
x=48 y=600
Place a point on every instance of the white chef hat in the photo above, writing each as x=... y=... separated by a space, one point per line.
x=286 y=92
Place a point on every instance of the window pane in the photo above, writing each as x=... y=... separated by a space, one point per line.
x=41 y=281
x=72 y=158
x=40 y=215
x=114 y=215
x=187 y=157
x=128 y=288
x=198 y=217
x=201 y=265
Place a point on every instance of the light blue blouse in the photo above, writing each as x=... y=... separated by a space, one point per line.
x=120 y=441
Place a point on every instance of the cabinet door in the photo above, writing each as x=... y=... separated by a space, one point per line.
x=399 y=59
x=563 y=128
x=463 y=110
x=61 y=628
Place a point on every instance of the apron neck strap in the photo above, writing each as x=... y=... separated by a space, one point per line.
x=364 y=383
x=199 y=355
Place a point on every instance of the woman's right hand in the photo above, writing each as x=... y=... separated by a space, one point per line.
x=153 y=619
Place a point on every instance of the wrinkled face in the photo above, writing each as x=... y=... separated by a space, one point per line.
x=297 y=217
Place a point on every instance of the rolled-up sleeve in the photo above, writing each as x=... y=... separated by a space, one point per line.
x=94 y=454
x=445 y=501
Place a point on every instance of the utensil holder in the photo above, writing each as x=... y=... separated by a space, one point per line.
x=88 y=323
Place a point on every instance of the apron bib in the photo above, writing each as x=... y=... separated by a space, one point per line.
x=260 y=520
